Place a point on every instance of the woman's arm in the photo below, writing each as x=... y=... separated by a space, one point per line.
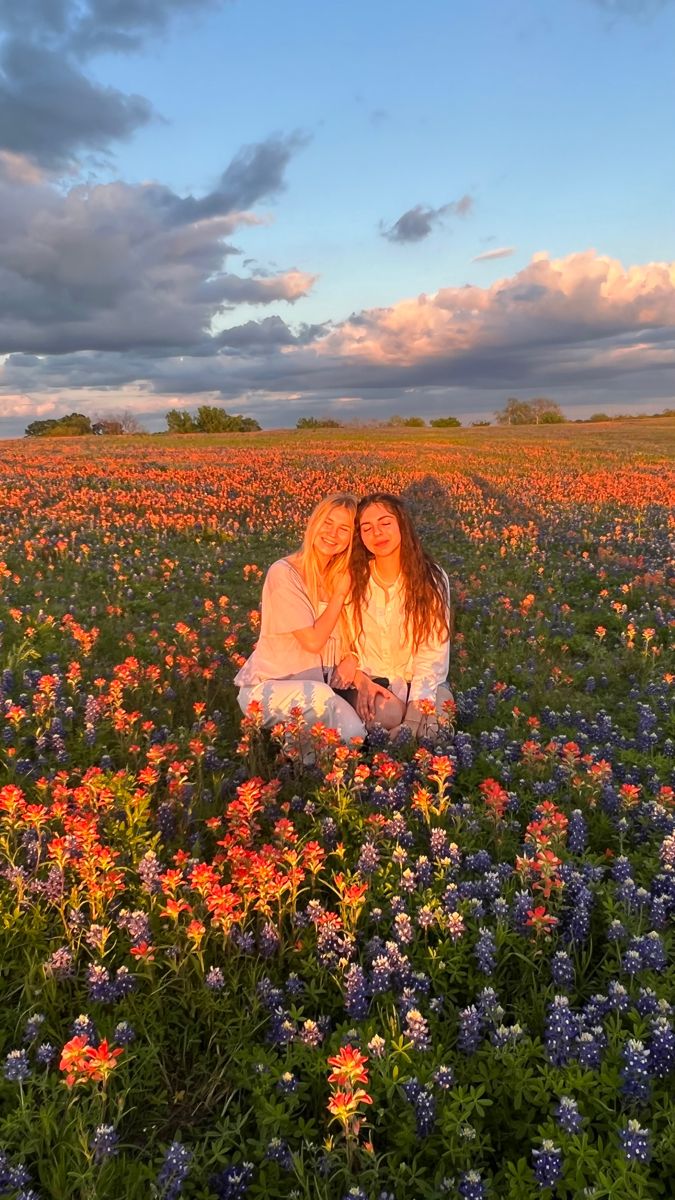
x=314 y=637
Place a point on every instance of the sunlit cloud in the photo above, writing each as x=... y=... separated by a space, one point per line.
x=500 y=252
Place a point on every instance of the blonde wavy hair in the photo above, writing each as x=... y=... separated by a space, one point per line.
x=308 y=564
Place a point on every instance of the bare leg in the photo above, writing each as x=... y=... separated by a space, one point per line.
x=389 y=711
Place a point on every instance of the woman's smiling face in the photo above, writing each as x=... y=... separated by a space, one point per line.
x=380 y=530
x=334 y=534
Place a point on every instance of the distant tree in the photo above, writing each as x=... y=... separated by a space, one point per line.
x=317 y=423
x=398 y=422
x=546 y=412
x=479 y=424
x=179 y=420
x=218 y=420
x=599 y=417
x=73 y=425
x=445 y=423
x=130 y=422
x=515 y=412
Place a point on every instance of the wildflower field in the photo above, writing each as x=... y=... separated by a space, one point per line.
x=404 y=972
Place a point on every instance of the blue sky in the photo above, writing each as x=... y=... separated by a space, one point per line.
x=457 y=129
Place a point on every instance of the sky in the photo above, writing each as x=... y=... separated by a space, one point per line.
x=347 y=210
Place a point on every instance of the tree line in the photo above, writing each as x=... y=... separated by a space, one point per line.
x=80 y=425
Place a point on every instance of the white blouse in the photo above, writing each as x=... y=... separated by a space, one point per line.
x=385 y=652
x=285 y=607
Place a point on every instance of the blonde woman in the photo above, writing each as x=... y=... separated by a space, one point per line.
x=300 y=636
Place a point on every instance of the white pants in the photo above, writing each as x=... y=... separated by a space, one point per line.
x=317 y=701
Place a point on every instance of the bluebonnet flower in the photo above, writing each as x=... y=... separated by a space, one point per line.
x=444 y=1077
x=488 y=1005
x=60 y=963
x=310 y=1033
x=124 y=1033
x=424 y=870
x=377 y=1046
x=631 y=962
x=16 y=1067
x=214 y=979
x=104 y=1142
x=424 y=1105
x=44 y=1054
x=618 y=997
x=590 y=1046
x=83 y=1026
x=652 y=951
x=232 y=1183
x=149 y=870
x=356 y=993
x=100 y=987
x=522 y=905
x=355 y=1193
x=438 y=844
x=403 y=929
x=268 y=940
x=425 y=917
x=417 y=1029
x=568 y=1116
x=647 y=1002
x=662 y=1047
x=470 y=1029
x=562 y=969
x=547 y=1164
x=33 y=1026
x=294 y=986
x=506 y=1035
x=136 y=924
x=174 y=1171
x=635 y=1073
x=471 y=1186
x=278 y=1151
x=635 y=1142
x=287 y=1084
x=485 y=951
x=562 y=1029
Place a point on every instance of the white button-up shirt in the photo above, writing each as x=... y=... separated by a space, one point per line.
x=385 y=652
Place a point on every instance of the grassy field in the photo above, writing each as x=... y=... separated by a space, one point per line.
x=477 y=933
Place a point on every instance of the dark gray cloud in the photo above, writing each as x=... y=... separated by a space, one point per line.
x=50 y=109
x=418 y=222
x=583 y=324
x=52 y=112
x=117 y=266
x=90 y=26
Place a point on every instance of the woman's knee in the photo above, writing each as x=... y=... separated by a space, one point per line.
x=389 y=712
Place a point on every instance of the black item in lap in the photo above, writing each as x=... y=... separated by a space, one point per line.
x=350 y=694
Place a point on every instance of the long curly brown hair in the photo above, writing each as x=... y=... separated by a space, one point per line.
x=426 y=600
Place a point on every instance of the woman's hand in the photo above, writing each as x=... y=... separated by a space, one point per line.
x=342 y=584
x=366 y=696
x=344 y=673
x=419 y=723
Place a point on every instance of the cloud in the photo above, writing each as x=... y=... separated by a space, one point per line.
x=638 y=9
x=119 y=266
x=418 y=222
x=90 y=26
x=500 y=252
x=575 y=327
x=549 y=304
x=50 y=110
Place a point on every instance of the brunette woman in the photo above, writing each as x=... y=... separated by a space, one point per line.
x=300 y=638
x=400 y=611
